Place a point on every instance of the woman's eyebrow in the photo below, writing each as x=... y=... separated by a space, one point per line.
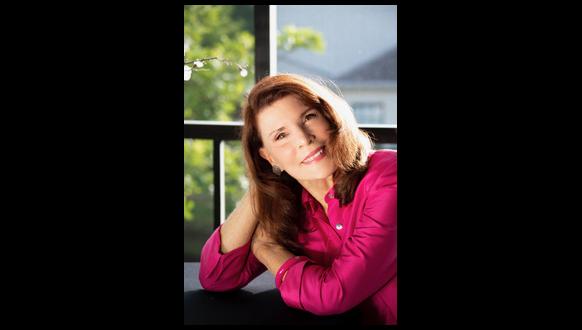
x=283 y=127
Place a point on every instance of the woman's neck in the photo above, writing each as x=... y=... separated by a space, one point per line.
x=318 y=189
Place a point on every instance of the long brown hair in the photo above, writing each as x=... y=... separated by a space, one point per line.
x=278 y=198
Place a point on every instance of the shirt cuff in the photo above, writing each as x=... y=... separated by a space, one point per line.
x=285 y=266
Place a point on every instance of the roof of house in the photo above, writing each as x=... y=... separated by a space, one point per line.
x=381 y=68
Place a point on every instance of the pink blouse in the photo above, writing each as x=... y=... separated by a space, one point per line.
x=350 y=254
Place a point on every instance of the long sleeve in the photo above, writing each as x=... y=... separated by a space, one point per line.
x=228 y=271
x=366 y=261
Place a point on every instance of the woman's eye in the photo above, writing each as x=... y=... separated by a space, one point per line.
x=309 y=116
x=280 y=136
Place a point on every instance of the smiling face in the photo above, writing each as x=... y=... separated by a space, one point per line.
x=294 y=138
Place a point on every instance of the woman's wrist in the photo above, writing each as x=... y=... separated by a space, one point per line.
x=272 y=256
x=261 y=248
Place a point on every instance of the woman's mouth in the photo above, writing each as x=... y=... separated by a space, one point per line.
x=314 y=156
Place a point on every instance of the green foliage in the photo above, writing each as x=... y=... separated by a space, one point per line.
x=216 y=91
x=291 y=38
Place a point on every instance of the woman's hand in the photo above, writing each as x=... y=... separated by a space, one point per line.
x=240 y=225
x=268 y=251
x=261 y=240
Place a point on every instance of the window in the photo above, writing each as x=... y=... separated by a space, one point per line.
x=368 y=112
x=214 y=93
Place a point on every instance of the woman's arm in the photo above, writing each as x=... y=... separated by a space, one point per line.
x=239 y=227
x=226 y=260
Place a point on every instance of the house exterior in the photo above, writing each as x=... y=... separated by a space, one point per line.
x=360 y=56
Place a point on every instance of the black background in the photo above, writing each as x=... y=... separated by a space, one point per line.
x=92 y=132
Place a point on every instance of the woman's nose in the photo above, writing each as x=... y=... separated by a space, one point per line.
x=305 y=138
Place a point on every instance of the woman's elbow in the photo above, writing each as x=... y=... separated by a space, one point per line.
x=213 y=284
x=217 y=286
x=207 y=284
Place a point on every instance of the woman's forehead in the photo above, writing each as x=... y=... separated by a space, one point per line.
x=280 y=112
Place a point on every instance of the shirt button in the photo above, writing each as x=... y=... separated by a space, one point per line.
x=339 y=226
x=330 y=195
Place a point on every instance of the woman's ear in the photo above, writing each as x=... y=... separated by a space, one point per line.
x=263 y=152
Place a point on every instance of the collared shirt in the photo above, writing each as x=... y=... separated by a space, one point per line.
x=350 y=253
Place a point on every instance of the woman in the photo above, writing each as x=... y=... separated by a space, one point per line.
x=320 y=214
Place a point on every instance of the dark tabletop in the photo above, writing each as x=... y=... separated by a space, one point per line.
x=257 y=303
